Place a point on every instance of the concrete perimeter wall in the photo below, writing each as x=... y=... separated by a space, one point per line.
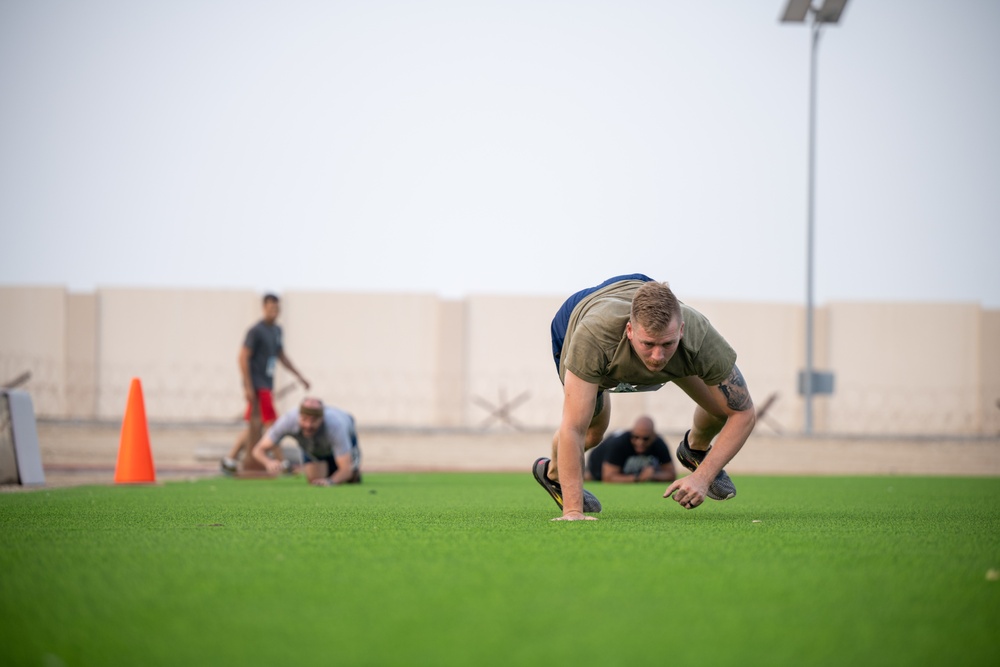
x=414 y=360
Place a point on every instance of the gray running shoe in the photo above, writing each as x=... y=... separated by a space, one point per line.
x=540 y=471
x=721 y=488
x=228 y=465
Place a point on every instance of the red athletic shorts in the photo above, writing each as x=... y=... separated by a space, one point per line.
x=266 y=401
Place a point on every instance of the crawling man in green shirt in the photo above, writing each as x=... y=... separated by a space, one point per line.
x=630 y=333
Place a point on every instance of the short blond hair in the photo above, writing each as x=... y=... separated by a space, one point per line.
x=654 y=307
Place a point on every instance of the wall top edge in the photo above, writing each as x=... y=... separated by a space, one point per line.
x=693 y=300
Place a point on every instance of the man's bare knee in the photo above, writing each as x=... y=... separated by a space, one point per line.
x=593 y=438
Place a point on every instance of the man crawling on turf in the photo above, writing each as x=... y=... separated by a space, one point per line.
x=328 y=440
x=628 y=334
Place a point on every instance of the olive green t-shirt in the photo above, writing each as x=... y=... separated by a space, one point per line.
x=597 y=350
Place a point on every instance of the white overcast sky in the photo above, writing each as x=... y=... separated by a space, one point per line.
x=508 y=146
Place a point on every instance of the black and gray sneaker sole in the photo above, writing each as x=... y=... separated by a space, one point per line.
x=721 y=488
x=591 y=504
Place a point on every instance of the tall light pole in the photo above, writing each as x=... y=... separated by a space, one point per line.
x=796 y=11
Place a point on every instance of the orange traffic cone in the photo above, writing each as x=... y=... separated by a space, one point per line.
x=135 y=460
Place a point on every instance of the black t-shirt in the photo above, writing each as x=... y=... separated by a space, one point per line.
x=264 y=342
x=617 y=449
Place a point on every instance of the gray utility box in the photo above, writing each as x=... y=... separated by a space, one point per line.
x=822 y=383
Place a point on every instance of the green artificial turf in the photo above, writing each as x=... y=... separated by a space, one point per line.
x=467 y=569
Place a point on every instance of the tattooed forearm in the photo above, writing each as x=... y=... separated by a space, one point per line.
x=735 y=389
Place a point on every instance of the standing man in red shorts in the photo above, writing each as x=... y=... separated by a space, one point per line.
x=261 y=351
